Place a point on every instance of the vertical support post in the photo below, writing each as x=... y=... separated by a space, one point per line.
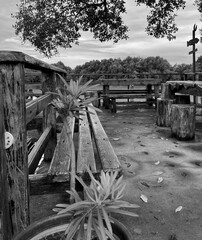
x=14 y=167
x=194 y=52
x=49 y=114
x=106 y=97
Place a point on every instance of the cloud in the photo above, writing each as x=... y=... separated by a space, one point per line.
x=139 y=43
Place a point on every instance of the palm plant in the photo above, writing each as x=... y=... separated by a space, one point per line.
x=91 y=218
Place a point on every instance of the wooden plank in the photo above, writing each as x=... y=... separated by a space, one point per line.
x=28 y=61
x=106 y=152
x=60 y=164
x=33 y=86
x=33 y=108
x=124 y=96
x=85 y=154
x=6 y=228
x=44 y=184
x=132 y=81
x=17 y=166
x=38 y=150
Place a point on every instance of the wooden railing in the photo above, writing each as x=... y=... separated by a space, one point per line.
x=18 y=107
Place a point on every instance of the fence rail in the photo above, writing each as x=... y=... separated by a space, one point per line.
x=18 y=109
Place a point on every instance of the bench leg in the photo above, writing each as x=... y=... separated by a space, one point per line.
x=113 y=104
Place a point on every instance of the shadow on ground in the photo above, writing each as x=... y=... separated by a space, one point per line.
x=166 y=171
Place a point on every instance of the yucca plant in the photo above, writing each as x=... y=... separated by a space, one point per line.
x=70 y=100
x=91 y=218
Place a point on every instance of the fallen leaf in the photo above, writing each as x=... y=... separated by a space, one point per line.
x=157 y=163
x=178 y=209
x=157 y=173
x=144 y=198
x=137 y=231
x=160 y=180
x=116 y=139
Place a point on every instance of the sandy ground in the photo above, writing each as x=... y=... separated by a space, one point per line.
x=148 y=154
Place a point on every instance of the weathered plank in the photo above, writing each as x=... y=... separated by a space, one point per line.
x=106 y=152
x=34 y=107
x=132 y=81
x=38 y=150
x=6 y=228
x=33 y=86
x=17 y=167
x=61 y=162
x=44 y=184
x=49 y=113
x=85 y=154
x=28 y=61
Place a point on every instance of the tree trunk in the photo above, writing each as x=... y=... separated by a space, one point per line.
x=163 y=112
x=183 y=121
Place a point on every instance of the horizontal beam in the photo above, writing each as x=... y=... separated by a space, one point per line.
x=130 y=81
x=44 y=184
x=34 y=107
x=38 y=150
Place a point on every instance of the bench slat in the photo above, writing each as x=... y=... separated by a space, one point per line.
x=106 y=152
x=61 y=161
x=38 y=150
x=34 y=107
x=85 y=150
x=123 y=96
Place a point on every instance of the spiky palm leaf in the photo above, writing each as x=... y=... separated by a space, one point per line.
x=102 y=199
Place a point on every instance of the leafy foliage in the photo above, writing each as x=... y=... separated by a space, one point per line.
x=92 y=215
x=58 y=23
x=161 y=20
x=70 y=99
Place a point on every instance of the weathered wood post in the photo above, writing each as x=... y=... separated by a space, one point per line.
x=49 y=114
x=14 y=164
x=106 y=96
x=183 y=121
x=163 y=109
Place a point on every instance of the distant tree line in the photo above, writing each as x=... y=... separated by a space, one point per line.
x=131 y=65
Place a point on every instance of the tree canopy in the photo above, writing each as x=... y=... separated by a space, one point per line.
x=51 y=24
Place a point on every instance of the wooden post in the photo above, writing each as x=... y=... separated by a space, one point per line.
x=14 y=166
x=149 y=94
x=166 y=92
x=106 y=98
x=183 y=121
x=163 y=112
x=49 y=114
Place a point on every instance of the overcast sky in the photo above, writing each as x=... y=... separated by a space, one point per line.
x=139 y=43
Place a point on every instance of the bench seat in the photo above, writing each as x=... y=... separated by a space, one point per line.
x=93 y=149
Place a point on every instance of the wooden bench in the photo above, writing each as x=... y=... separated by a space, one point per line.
x=93 y=149
x=142 y=88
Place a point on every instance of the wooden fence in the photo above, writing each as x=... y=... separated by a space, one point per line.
x=17 y=109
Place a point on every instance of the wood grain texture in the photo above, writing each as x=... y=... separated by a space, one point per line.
x=15 y=123
x=183 y=121
x=106 y=152
x=61 y=162
x=85 y=154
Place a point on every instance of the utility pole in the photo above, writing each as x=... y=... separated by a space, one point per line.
x=193 y=43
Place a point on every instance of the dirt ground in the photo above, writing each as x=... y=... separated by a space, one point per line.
x=160 y=169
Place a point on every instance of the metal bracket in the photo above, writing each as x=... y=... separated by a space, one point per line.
x=9 y=140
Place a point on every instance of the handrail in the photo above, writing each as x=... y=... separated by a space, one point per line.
x=31 y=62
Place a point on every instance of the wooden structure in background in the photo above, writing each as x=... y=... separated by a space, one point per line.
x=149 y=90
